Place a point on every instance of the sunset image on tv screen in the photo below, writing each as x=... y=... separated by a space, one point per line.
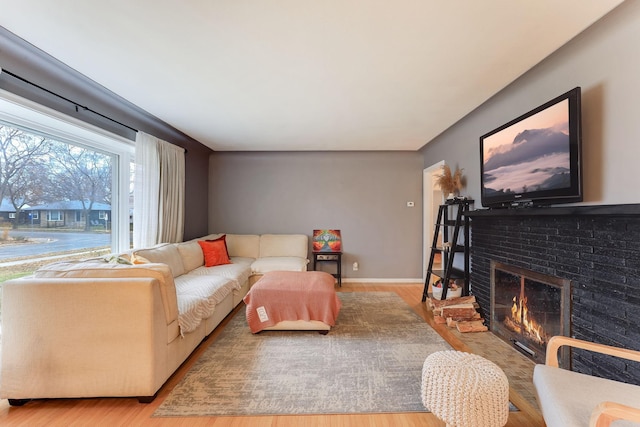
x=531 y=155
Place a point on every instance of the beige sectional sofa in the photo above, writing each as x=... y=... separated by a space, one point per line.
x=97 y=328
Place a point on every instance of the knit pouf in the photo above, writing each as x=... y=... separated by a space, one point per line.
x=465 y=390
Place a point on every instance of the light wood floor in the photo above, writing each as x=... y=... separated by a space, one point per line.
x=114 y=412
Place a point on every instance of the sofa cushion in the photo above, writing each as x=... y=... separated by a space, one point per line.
x=191 y=254
x=137 y=259
x=279 y=263
x=242 y=260
x=198 y=297
x=102 y=269
x=213 y=236
x=215 y=252
x=165 y=253
x=238 y=272
x=283 y=245
x=243 y=245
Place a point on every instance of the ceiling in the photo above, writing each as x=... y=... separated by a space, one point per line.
x=259 y=75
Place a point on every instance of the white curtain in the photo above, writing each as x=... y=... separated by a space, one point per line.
x=158 y=213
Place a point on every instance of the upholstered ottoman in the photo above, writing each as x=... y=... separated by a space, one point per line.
x=293 y=300
x=465 y=390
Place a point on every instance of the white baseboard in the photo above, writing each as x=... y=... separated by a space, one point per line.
x=364 y=280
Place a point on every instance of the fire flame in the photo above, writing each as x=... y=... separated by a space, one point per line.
x=520 y=319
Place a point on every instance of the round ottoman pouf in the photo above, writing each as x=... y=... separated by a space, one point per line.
x=465 y=390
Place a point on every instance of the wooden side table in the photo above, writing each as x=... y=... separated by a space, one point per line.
x=330 y=257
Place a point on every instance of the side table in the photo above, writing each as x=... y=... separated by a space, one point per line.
x=330 y=257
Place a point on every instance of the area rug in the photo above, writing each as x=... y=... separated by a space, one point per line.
x=370 y=362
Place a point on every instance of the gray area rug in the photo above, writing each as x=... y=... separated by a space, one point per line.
x=370 y=362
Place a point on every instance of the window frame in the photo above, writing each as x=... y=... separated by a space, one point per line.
x=30 y=115
x=59 y=217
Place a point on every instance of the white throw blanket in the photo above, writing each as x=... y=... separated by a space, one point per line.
x=198 y=296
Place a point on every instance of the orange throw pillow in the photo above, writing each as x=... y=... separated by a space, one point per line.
x=215 y=253
x=224 y=239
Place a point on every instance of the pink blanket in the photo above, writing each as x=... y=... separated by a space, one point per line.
x=292 y=295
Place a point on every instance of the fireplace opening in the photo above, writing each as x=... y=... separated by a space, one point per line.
x=528 y=308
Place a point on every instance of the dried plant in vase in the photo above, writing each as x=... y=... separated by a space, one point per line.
x=449 y=183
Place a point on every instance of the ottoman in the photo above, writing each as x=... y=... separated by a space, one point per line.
x=465 y=390
x=293 y=300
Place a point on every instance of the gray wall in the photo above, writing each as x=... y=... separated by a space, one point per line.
x=363 y=194
x=196 y=194
x=604 y=61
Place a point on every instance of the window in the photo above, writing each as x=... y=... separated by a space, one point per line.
x=72 y=166
x=12 y=215
x=54 y=216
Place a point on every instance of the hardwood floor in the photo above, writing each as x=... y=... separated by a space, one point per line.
x=114 y=412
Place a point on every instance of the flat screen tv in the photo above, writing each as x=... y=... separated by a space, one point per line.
x=534 y=159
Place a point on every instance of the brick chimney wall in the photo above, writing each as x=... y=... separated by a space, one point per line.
x=598 y=250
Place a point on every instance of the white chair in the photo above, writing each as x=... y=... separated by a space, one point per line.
x=572 y=399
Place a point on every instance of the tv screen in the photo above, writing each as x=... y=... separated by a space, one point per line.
x=535 y=158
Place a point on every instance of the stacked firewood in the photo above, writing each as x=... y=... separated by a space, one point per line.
x=460 y=313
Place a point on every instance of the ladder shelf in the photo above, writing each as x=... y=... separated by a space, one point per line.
x=452 y=226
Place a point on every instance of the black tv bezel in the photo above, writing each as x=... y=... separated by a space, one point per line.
x=544 y=197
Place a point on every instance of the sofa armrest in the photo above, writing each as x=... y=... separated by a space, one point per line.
x=558 y=341
x=92 y=269
x=78 y=337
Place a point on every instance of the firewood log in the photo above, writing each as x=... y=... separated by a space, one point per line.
x=472 y=326
x=475 y=316
x=458 y=311
x=442 y=310
x=451 y=322
x=439 y=320
x=436 y=303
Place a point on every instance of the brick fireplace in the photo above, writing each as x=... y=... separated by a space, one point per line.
x=597 y=248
